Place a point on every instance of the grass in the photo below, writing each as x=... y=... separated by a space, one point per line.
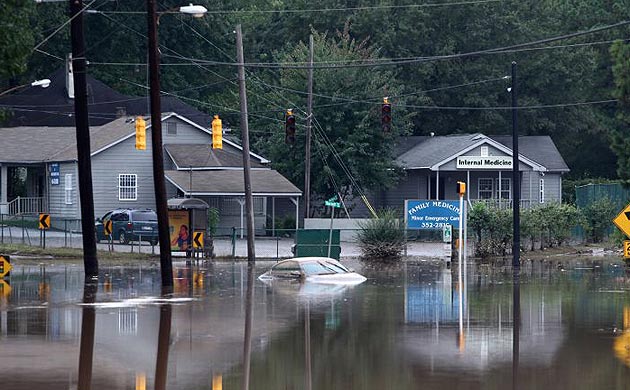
x=69 y=253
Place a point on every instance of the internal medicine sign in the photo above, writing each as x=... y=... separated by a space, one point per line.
x=431 y=214
x=488 y=162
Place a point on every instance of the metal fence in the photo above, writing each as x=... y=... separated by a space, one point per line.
x=231 y=242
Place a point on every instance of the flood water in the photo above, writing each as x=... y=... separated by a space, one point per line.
x=556 y=324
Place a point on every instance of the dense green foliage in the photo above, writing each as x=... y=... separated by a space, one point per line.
x=196 y=57
x=620 y=141
x=17 y=37
x=597 y=217
x=545 y=226
x=382 y=238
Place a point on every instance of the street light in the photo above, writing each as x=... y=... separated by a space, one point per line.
x=44 y=83
x=196 y=11
x=166 y=266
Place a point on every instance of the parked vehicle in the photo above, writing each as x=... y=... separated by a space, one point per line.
x=313 y=270
x=129 y=225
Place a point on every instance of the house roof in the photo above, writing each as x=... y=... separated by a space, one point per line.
x=33 y=144
x=265 y=182
x=51 y=106
x=431 y=150
x=539 y=148
x=204 y=156
x=427 y=152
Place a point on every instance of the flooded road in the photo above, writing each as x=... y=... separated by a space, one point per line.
x=551 y=326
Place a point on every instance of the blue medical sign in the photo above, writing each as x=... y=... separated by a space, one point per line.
x=431 y=214
x=54 y=174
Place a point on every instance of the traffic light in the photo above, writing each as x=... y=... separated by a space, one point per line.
x=141 y=134
x=386 y=115
x=217 y=133
x=461 y=188
x=289 y=126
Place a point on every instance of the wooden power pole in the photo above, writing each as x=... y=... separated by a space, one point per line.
x=309 y=119
x=84 y=162
x=249 y=201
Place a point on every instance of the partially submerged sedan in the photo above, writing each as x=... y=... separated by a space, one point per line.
x=313 y=269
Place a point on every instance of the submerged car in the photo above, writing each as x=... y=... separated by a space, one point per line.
x=313 y=269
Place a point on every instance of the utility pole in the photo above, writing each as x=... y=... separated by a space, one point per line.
x=249 y=209
x=90 y=261
x=166 y=266
x=309 y=118
x=249 y=201
x=516 y=179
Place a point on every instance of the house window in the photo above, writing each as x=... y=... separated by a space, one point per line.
x=542 y=190
x=486 y=188
x=127 y=186
x=171 y=128
x=68 y=188
x=504 y=191
x=484 y=151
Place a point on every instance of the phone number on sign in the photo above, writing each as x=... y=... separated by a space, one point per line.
x=433 y=225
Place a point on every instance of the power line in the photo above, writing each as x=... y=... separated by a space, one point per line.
x=62 y=26
x=394 y=62
x=323 y=10
x=390 y=59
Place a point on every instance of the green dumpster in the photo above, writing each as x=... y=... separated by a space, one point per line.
x=314 y=242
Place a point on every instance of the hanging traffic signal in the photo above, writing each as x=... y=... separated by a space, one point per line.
x=461 y=188
x=141 y=134
x=217 y=133
x=289 y=126
x=386 y=115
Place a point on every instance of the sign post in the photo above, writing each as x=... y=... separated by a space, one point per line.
x=44 y=224
x=108 y=228
x=333 y=204
x=197 y=243
x=461 y=191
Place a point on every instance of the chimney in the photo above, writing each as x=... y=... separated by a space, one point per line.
x=69 y=77
x=120 y=112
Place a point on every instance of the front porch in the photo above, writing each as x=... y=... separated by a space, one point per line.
x=23 y=189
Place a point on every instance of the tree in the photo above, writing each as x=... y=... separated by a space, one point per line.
x=620 y=141
x=17 y=36
x=342 y=130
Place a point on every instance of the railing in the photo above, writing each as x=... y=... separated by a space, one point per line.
x=504 y=203
x=27 y=205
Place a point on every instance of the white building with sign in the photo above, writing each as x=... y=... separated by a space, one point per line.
x=433 y=166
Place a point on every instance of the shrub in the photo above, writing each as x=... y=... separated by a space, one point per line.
x=382 y=238
x=213 y=220
x=561 y=219
x=596 y=218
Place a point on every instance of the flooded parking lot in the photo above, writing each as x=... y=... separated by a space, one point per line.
x=556 y=324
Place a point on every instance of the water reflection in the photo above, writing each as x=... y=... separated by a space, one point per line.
x=551 y=326
x=88 y=322
x=516 y=324
x=249 y=318
x=163 y=342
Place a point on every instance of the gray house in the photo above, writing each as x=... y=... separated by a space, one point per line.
x=40 y=164
x=433 y=165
